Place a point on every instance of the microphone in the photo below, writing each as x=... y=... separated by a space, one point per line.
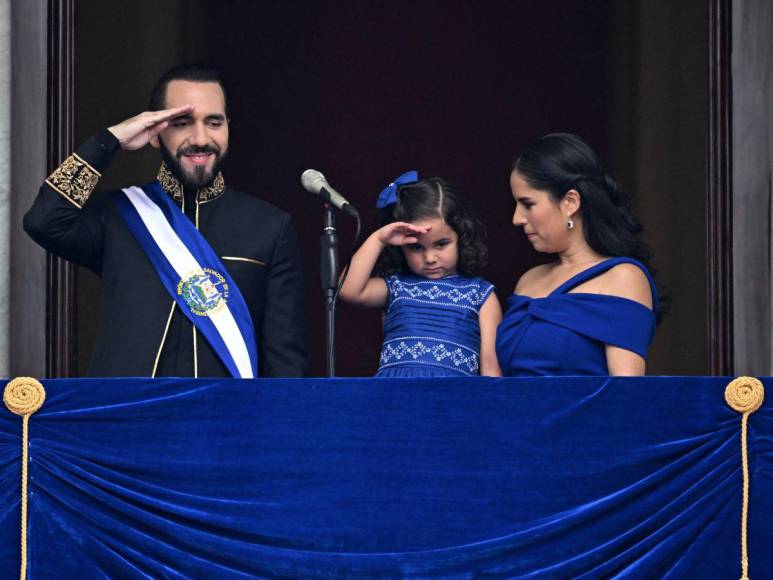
x=314 y=182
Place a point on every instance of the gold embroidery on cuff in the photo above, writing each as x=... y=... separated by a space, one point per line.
x=74 y=179
x=237 y=259
x=87 y=164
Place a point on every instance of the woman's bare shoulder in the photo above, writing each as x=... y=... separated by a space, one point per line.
x=627 y=281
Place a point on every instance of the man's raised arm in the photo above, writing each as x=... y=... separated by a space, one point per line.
x=60 y=220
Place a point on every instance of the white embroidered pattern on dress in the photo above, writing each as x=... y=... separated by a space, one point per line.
x=470 y=295
x=454 y=354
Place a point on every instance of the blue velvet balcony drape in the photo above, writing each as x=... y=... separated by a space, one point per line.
x=550 y=478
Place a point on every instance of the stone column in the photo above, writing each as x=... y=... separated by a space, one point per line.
x=24 y=32
x=752 y=66
x=5 y=180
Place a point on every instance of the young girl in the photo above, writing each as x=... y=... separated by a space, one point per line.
x=440 y=320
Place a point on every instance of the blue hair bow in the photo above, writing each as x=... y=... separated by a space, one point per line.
x=389 y=193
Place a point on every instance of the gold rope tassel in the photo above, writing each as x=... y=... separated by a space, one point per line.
x=23 y=396
x=745 y=395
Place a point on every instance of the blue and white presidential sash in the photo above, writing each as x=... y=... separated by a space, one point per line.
x=193 y=274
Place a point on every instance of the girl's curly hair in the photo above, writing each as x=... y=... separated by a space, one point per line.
x=433 y=198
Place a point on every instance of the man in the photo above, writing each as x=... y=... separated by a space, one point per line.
x=198 y=279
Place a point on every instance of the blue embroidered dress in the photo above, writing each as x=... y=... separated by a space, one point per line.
x=565 y=333
x=431 y=327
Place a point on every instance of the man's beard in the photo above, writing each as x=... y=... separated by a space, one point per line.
x=200 y=176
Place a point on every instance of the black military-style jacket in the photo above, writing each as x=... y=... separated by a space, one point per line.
x=141 y=331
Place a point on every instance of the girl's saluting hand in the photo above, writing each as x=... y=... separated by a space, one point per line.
x=401 y=233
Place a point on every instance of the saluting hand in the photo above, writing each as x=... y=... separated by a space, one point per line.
x=400 y=233
x=136 y=132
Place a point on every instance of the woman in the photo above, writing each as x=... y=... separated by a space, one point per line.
x=593 y=310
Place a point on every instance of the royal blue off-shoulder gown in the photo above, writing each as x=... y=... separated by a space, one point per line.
x=565 y=333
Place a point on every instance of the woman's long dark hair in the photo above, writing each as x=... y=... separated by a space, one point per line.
x=432 y=198
x=559 y=162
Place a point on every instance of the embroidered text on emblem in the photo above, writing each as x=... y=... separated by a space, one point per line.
x=204 y=291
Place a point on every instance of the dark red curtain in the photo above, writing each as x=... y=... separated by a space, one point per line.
x=363 y=91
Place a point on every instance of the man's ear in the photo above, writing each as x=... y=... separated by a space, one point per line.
x=571 y=202
x=155 y=143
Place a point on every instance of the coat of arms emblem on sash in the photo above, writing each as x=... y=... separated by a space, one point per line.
x=205 y=291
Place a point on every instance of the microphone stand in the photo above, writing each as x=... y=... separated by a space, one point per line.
x=328 y=266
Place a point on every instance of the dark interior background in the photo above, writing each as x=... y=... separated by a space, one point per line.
x=363 y=91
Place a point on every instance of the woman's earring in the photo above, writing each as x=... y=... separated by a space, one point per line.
x=569 y=223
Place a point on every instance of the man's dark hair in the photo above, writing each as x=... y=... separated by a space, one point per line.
x=194 y=72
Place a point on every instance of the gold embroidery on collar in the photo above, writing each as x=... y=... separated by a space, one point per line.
x=212 y=191
x=75 y=179
x=173 y=187
x=169 y=182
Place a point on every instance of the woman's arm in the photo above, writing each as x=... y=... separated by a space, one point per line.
x=490 y=316
x=626 y=281
x=624 y=363
x=360 y=287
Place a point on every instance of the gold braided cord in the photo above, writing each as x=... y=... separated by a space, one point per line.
x=23 y=396
x=745 y=395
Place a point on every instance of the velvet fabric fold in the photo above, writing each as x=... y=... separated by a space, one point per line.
x=566 y=477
